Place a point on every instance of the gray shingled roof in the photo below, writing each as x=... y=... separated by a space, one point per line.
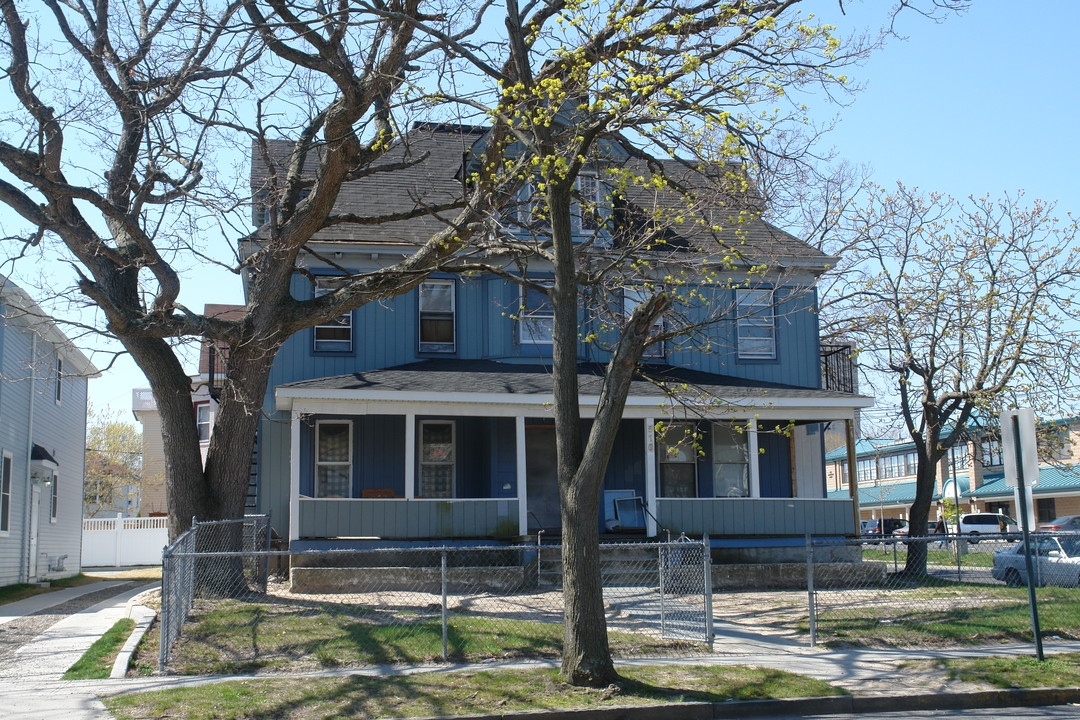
x=436 y=178
x=491 y=377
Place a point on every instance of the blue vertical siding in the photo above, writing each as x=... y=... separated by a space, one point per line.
x=774 y=464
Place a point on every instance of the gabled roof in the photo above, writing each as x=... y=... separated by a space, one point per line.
x=428 y=164
x=27 y=312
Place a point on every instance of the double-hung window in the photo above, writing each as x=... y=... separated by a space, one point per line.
x=536 y=317
x=731 y=461
x=437 y=459
x=677 y=455
x=584 y=209
x=437 y=316
x=633 y=296
x=5 y=494
x=202 y=421
x=334 y=335
x=756 y=324
x=586 y=217
x=333 y=459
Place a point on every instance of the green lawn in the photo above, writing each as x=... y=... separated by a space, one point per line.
x=231 y=636
x=96 y=663
x=21 y=591
x=458 y=693
x=943 y=614
x=1012 y=672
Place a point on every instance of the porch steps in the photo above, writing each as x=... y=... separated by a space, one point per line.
x=620 y=565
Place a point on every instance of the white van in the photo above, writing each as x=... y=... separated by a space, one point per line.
x=973 y=524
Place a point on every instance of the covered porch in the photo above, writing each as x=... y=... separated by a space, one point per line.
x=395 y=454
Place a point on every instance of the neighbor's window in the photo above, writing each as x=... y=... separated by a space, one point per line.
x=335 y=335
x=437 y=316
x=59 y=379
x=5 y=494
x=633 y=296
x=677 y=457
x=586 y=218
x=536 y=317
x=992 y=454
x=756 y=328
x=202 y=421
x=54 y=497
x=333 y=459
x=437 y=459
x=731 y=461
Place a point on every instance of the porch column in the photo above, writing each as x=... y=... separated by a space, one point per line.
x=650 y=477
x=410 y=456
x=294 y=475
x=752 y=451
x=853 y=475
x=519 y=466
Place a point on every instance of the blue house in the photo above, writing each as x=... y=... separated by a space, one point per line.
x=427 y=417
x=43 y=382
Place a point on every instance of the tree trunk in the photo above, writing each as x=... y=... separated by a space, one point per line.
x=925 y=479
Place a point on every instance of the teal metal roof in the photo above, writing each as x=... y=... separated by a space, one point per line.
x=893 y=493
x=1052 y=478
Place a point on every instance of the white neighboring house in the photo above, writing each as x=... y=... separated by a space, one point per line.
x=43 y=392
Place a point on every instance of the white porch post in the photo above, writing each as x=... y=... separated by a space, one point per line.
x=294 y=475
x=650 y=477
x=410 y=456
x=752 y=451
x=522 y=490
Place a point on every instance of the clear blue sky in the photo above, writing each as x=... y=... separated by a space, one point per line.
x=985 y=102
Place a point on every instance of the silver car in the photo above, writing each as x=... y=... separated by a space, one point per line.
x=1055 y=560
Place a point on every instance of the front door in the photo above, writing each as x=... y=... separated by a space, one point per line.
x=35 y=501
x=541 y=478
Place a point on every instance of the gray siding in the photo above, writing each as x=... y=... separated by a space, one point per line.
x=408 y=518
x=757 y=516
x=60 y=429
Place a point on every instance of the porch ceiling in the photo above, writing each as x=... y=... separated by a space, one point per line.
x=496 y=388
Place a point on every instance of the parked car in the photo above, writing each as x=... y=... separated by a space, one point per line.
x=1068 y=523
x=931 y=527
x=975 y=524
x=1055 y=561
x=891 y=526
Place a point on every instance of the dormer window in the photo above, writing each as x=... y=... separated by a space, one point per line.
x=584 y=209
x=437 y=307
x=335 y=335
x=632 y=297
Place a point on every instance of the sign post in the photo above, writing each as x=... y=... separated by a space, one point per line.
x=1021 y=469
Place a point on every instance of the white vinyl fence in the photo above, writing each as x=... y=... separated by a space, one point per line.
x=120 y=541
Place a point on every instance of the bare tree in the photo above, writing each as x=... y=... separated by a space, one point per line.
x=963 y=307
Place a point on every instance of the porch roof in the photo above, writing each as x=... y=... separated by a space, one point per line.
x=490 y=383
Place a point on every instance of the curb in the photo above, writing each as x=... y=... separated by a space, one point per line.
x=143 y=617
x=828 y=705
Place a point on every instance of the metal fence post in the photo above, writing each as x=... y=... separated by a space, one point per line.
x=166 y=578
x=706 y=551
x=810 y=589
x=445 y=654
x=663 y=609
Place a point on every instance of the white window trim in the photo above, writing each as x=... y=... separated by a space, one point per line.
x=524 y=317
x=638 y=294
x=209 y=420
x=453 y=462
x=750 y=491
x=336 y=463
x=528 y=208
x=8 y=460
x=59 y=379
x=434 y=347
x=331 y=345
x=54 y=498
x=747 y=317
x=578 y=218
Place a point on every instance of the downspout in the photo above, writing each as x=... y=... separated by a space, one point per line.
x=24 y=560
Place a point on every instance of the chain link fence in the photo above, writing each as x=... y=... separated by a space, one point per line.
x=973 y=591
x=222 y=613
x=187 y=571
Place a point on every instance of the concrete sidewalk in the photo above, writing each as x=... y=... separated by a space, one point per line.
x=33 y=689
